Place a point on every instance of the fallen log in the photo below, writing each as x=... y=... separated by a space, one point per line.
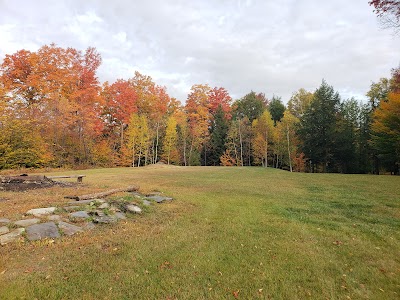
x=132 y=188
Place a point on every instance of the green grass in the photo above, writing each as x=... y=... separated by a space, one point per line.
x=252 y=233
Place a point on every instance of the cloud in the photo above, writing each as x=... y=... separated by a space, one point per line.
x=265 y=46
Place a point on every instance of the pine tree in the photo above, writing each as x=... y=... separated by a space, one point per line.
x=317 y=127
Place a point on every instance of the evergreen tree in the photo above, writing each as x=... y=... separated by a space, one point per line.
x=218 y=133
x=317 y=127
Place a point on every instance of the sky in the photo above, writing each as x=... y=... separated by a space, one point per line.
x=273 y=47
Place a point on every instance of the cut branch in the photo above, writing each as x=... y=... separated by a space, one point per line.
x=132 y=188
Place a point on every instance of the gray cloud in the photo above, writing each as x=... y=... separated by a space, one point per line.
x=265 y=46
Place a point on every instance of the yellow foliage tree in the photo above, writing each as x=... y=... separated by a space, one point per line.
x=263 y=136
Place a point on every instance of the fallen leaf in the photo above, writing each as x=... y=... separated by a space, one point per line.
x=236 y=294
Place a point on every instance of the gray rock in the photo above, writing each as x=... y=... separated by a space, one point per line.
x=4 y=221
x=54 y=218
x=87 y=201
x=39 y=212
x=12 y=236
x=89 y=226
x=27 y=222
x=98 y=213
x=120 y=215
x=104 y=205
x=72 y=208
x=4 y=230
x=133 y=208
x=137 y=195
x=105 y=219
x=80 y=214
x=146 y=202
x=43 y=230
x=158 y=198
x=69 y=229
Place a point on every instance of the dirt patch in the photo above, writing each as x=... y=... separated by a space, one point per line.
x=26 y=182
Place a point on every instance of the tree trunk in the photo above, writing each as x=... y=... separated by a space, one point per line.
x=288 y=146
x=156 y=150
x=241 y=144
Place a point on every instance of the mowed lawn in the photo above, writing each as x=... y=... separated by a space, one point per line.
x=245 y=233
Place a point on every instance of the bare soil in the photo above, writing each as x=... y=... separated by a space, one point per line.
x=26 y=182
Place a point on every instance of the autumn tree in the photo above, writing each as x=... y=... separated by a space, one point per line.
x=386 y=132
x=388 y=11
x=170 y=151
x=286 y=145
x=263 y=137
x=299 y=102
x=198 y=116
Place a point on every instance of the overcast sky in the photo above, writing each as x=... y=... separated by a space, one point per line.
x=274 y=47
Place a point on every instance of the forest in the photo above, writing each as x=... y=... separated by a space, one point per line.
x=54 y=112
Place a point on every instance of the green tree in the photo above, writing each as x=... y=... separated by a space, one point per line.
x=276 y=109
x=249 y=106
x=218 y=134
x=317 y=127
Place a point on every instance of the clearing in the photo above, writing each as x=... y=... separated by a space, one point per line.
x=242 y=233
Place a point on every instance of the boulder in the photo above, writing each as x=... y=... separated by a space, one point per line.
x=146 y=202
x=39 y=212
x=105 y=219
x=11 y=236
x=69 y=229
x=54 y=218
x=43 y=230
x=120 y=215
x=4 y=230
x=80 y=214
x=158 y=198
x=27 y=222
x=133 y=208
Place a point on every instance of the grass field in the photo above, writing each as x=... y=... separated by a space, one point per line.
x=246 y=233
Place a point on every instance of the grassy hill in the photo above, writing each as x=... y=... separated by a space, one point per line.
x=243 y=233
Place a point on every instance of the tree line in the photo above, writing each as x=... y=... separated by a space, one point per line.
x=54 y=112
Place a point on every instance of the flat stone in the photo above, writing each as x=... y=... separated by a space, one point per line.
x=69 y=229
x=158 y=198
x=4 y=230
x=80 y=214
x=80 y=202
x=39 y=212
x=89 y=226
x=146 y=202
x=43 y=230
x=54 y=218
x=133 y=208
x=4 y=221
x=104 y=205
x=120 y=215
x=98 y=213
x=72 y=208
x=11 y=237
x=137 y=195
x=27 y=222
x=105 y=219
